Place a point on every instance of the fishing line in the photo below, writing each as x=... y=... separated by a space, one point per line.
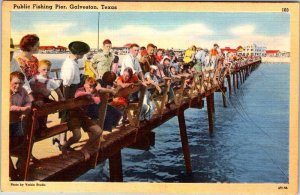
x=245 y=119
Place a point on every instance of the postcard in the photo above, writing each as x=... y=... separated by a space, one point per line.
x=150 y=97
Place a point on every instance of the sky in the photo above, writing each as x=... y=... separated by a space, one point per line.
x=167 y=30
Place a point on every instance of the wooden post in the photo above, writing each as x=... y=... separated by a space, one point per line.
x=184 y=141
x=240 y=74
x=102 y=114
x=164 y=97
x=115 y=167
x=237 y=79
x=209 y=103
x=234 y=82
x=224 y=98
x=213 y=100
x=229 y=84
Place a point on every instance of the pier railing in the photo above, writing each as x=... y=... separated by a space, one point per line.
x=137 y=134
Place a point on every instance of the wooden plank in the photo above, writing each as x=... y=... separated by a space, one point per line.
x=52 y=131
x=54 y=107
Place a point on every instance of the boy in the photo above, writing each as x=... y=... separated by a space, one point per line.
x=79 y=118
x=42 y=80
x=20 y=106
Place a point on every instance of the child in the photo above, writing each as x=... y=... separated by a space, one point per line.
x=42 y=80
x=20 y=106
x=79 y=118
x=89 y=67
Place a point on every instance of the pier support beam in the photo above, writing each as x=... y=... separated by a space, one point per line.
x=115 y=167
x=229 y=84
x=184 y=141
x=224 y=98
x=213 y=102
x=234 y=82
x=237 y=79
x=209 y=104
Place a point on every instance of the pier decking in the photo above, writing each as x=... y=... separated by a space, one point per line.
x=53 y=166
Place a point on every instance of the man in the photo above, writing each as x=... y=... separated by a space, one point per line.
x=104 y=59
x=151 y=57
x=214 y=55
x=132 y=61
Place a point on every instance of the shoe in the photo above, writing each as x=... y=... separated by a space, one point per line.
x=55 y=140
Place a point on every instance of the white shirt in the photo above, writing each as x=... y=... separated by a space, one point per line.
x=70 y=72
x=132 y=62
x=51 y=84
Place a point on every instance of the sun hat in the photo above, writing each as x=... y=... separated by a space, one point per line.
x=78 y=47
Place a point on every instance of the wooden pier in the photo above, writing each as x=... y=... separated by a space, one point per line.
x=53 y=166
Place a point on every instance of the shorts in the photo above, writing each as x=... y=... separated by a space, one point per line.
x=16 y=129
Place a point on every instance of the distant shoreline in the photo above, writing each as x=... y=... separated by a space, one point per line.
x=275 y=59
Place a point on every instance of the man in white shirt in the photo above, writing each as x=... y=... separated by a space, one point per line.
x=132 y=61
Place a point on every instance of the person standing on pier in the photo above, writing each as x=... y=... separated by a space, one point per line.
x=70 y=75
x=214 y=54
x=132 y=61
x=104 y=59
x=90 y=69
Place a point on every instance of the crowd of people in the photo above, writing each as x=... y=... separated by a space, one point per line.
x=31 y=85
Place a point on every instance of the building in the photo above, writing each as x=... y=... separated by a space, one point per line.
x=122 y=50
x=277 y=53
x=254 y=50
x=272 y=53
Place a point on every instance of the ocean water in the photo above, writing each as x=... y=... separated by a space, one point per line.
x=249 y=144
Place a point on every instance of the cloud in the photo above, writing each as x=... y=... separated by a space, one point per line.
x=247 y=29
x=181 y=37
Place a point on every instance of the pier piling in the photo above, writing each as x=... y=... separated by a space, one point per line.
x=184 y=141
x=115 y=167
x=209 y=104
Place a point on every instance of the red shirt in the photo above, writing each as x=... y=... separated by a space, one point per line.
x=133 y=79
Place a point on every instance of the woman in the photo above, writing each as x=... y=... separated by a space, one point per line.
x=27 y=63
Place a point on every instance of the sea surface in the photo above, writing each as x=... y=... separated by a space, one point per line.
x=250 y=143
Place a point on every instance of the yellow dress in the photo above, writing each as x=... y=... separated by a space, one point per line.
x=87 y=69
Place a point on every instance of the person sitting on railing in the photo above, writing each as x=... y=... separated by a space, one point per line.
x=42 y=80
x=79 y=118
x=20 y=107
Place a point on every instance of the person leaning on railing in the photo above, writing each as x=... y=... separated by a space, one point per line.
x=79 y=118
